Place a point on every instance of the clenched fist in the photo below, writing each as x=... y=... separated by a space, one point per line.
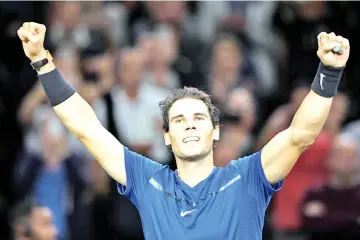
x=32 y=36
x=327 y=43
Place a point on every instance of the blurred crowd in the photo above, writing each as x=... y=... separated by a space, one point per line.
x=256 y=59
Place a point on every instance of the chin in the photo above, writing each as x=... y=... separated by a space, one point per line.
x=192 y=156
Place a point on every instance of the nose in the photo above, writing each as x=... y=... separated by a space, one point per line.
x=190 y=124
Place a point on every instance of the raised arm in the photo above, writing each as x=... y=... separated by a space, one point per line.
x=75 y=113
x=281 y=153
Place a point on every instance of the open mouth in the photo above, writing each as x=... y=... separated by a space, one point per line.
x=191 y=139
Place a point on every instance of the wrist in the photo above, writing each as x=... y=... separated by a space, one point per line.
x=40 y=56
x=42 y=62
x=327 y=80
x=333 y=72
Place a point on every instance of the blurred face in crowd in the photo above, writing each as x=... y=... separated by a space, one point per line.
x=42 y=225
x=53 y=140
x=191 y=132
x=131 y=67
x=146 y=44
x=68 y=13
x=241 y=103
x=164 y=48
x=167 y=11
x=344 y=158
x=226 y=56
x=238 y=122
x=311 y=9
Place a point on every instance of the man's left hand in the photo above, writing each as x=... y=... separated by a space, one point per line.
x=326 y=45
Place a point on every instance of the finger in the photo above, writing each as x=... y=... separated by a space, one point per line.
x=339 y=39
x=332 y=37
x=331 y=46
x=32 y=29
x=25 y=33
x=321 y=35
x=346 y=43
x=338 y=48
x=21 y=35
x=25 y=25
x=39 y=28
x=322 y=38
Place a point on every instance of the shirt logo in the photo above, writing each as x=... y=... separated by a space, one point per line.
x=183 y=214
x=322 y=76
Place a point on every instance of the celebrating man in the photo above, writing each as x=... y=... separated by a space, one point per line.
x=198 y=200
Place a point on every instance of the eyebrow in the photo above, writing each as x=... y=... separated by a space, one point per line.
x=181 y=115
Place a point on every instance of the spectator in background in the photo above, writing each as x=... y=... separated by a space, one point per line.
x=56 y=179
x=163 y=53
x=139 y=100
x=250 y=22
x=331 y=211
x=239 y=119
x=32 y=222
x=189 y=49
x=227 y=68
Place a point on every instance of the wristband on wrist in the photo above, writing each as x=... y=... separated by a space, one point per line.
x=39 y=64
x=327 y=80
x=56 y=88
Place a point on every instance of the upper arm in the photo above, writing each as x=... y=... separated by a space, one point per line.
x=252 y=172
x=277 y=122
x=107 y=150
x=131 y=170
x=279 y=155
x=80 y=119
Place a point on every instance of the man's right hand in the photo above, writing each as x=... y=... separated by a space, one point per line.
x=32 y=36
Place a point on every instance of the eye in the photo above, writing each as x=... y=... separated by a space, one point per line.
x=199 y=118
x=179 y=120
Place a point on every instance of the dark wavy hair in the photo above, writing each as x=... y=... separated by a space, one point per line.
x=188 y=92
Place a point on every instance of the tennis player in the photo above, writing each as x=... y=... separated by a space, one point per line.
x=198 y=200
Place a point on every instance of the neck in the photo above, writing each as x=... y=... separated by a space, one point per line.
x=343 y=181
x=159 y=74
x=159 y=68
x=193 y=172
x=131 y=92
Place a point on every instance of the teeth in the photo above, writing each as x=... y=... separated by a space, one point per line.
x=191 y=139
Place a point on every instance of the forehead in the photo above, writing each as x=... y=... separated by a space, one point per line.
x=188 y=106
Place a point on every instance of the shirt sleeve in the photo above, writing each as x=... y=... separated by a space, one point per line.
x=250 y=169
x=139 y=170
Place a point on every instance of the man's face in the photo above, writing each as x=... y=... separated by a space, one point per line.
x=131 y=67
x=191 y=132
x=42 y=224
x=226 y=56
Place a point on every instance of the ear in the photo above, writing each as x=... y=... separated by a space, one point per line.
x=216 y=133
x=167 y=138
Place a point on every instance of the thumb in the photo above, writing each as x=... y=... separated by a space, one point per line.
x=330 y=46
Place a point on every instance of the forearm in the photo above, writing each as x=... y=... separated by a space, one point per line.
x=314 y=110
x=310 y=118
x=72 y=109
